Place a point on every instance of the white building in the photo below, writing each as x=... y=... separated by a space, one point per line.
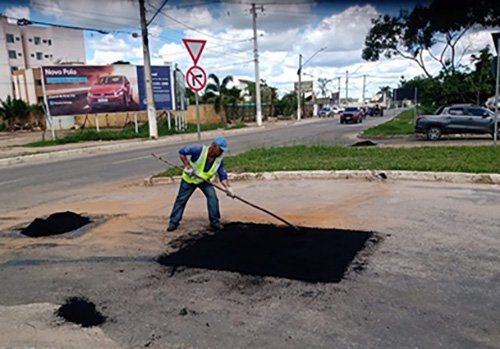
x=23 y=47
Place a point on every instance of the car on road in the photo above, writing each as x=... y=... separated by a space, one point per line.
x=326 y=112
x=110 y=91
x=351 y=114
x=456 y=119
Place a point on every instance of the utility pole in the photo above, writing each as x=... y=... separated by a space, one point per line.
x=299 y=89
x=363 y=94
x=153 y=130
x=347 y=87
x=339 y=90
x=256 y=59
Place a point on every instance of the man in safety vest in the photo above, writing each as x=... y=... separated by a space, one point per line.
x=205 y=162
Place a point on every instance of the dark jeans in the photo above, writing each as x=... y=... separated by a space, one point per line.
x=185 y=192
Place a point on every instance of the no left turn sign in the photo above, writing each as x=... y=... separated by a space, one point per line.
x=196 y=78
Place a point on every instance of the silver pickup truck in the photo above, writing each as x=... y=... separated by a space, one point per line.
x=456 y=119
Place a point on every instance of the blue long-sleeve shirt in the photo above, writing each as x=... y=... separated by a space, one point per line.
x=194 y=151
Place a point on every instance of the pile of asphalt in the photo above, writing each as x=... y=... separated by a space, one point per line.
x=81 y=312
x=312 y=255
x=55 y=224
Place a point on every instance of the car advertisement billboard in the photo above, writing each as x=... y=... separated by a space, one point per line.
x=74 y=90
x=162 y=87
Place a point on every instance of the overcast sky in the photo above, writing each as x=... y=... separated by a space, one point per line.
x=285 y=29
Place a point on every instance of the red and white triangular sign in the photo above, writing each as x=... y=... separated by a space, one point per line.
x=195 y=48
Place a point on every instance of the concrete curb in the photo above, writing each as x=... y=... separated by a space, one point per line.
x=367 y=175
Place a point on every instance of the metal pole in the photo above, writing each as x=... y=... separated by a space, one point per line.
x=339 y=92
x=299 y=89
x=136 y=125
x=347 y=87
x=416 y=105
x=495 y=127
x=256 y=59
x=198 y=116
x=97 y=123
x=153 y=129
x=364 y=86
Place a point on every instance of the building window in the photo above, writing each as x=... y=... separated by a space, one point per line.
x=46 y=56
x=12 y=54
x=50 y=42
x=37 y=40
x=40 y=100
x=38 y=82
x=10 y=38
x=39 y=56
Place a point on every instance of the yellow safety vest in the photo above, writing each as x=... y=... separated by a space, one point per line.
x=199 y=165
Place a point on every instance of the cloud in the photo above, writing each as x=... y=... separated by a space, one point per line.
x=17 y=12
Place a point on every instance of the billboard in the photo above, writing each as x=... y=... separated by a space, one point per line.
x=305 y=86
x=74 y=90
x=402 y=93
x=162 y=88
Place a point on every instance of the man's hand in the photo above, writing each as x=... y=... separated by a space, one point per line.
x=189 y=171
x=230 y=192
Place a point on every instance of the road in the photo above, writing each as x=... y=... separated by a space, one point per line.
x=33 y=184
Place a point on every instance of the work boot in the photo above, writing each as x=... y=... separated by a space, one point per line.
x=172 y=227
x=216 y=227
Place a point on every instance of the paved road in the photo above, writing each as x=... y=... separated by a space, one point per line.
x=28 y=185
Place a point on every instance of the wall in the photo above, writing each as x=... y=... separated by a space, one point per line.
x=207 y=114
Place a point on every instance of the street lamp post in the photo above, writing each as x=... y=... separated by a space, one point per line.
x=299 y=87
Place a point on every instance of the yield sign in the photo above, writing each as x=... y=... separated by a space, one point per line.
x=195 y=48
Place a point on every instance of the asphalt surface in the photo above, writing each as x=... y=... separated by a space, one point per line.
x=23 y=186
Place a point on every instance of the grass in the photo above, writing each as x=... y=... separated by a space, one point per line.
x=472 y=159
x=126 y=133
x=403 y=124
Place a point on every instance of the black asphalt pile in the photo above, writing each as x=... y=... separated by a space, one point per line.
x=313 y=255
x=81 y=312
x=55 y=224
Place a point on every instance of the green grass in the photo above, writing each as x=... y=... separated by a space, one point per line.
x=126 y=133
x=474 y=159
x=403 y=124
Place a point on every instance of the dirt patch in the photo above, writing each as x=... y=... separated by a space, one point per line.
x=55 y=224
x=81 y=312
x=313 y=255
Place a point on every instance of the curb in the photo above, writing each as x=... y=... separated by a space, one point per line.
x=367 y=175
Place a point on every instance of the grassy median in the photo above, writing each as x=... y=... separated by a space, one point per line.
x=126 y=133
x=403 y=124
x=473 y=159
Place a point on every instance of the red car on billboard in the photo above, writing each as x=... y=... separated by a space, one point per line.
x=109 y=92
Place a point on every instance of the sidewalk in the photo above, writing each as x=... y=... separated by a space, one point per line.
x=12 y=150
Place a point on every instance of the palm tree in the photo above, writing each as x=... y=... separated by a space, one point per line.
x=219 y=90
x=323 y=88
x=12 y=109
x=385 y=91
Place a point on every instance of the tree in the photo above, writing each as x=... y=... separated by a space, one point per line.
x=218 y=91
x=287 y=105
x=413 y=35
x=386 y=92
x=482 y=78
x=12 y=110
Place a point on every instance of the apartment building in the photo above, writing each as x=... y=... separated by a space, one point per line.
x=24 y=47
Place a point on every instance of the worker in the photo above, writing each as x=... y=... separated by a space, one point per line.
x=204 y=162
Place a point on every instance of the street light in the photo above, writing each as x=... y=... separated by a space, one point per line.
x=299 y=73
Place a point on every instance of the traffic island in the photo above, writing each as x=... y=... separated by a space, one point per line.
x=310 y=255
x=80 y=311
x=56 y=224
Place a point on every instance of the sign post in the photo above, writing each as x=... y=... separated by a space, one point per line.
x=496 y=41
x=196 y=77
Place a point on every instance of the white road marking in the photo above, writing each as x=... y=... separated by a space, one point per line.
x=131 y=159
x=11 y=181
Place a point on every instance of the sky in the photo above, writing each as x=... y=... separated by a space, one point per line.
x=285 y=30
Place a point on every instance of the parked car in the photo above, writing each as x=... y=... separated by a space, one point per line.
x=490 y=103
x=110 y=91
x=326 y=111
x=337 y=110
x=351 y=114
x=456 y=119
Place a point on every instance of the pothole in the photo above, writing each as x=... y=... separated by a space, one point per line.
x=80 y=311
x=56 y=224
x=313 y=255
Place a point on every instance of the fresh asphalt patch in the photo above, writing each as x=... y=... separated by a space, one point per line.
x=313 y=255
x=56 y=224
x=80 y=311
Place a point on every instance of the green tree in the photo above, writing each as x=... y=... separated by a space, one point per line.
x=287 y=105
x=218 y=91
x=412 y=35
x=12 y=110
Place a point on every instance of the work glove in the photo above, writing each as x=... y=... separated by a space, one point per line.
x=230 y=192
x=189 y=171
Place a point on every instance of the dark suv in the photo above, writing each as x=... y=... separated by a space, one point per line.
x=456 y=118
